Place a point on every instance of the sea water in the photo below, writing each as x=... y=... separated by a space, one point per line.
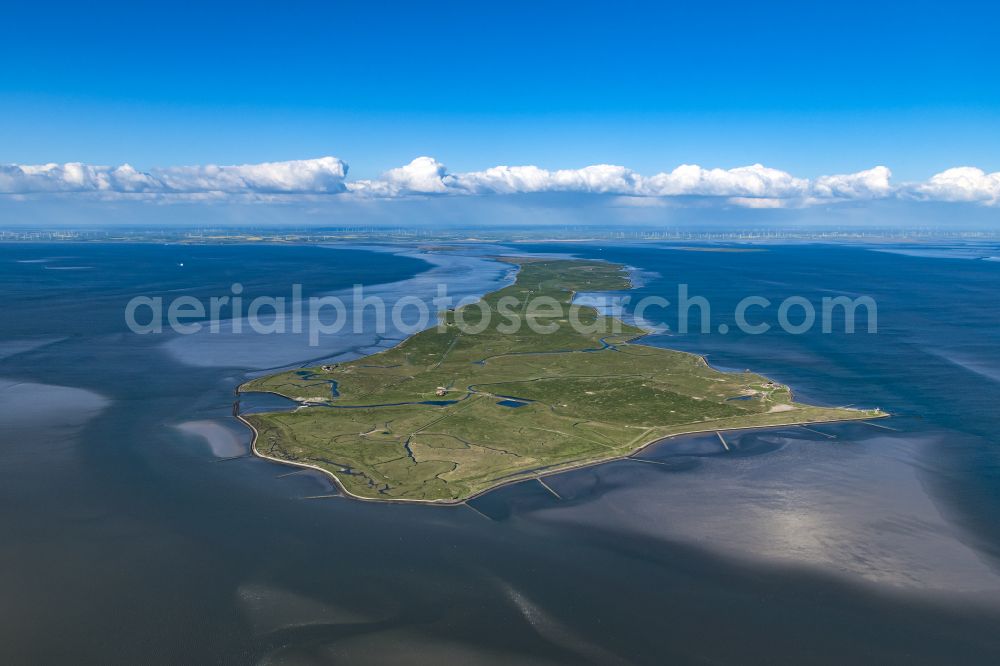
x=137 y=529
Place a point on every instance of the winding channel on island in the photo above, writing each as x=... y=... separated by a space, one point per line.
x=139 y=530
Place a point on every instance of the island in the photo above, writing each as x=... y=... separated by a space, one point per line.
x=451 y=413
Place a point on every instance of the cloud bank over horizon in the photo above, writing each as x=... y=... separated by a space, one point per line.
x=753 y=186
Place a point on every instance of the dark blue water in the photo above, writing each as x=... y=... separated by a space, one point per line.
x=511 y=403
x=934 y=362
x=127 y=539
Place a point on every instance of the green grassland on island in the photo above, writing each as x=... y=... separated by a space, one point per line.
x=515 y=404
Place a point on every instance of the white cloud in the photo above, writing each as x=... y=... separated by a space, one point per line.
x=424 y=175
x=754 y=186
x=596 y=179
x=323 y=175
x=870 y=184
x=741 y=186
x=750 y=181
x=758 y=202
x=73 y=177
x=961 y=184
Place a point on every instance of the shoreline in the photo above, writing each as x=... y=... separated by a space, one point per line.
x=568 y=467
x=526 y=476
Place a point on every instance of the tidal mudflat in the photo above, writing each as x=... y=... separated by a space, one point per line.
x=128 y=537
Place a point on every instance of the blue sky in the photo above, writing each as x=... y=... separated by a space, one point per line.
x=810 y=88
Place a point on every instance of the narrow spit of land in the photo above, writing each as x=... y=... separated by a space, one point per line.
x=450 y=413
